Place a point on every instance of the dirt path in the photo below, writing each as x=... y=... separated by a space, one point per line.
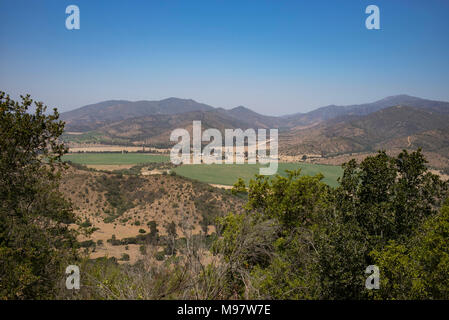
x=109 y=167
x=223 y=186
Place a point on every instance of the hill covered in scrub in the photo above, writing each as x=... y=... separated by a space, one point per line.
x=365 y=133
x=125 y=206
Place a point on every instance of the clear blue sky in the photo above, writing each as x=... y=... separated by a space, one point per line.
x=273 y=56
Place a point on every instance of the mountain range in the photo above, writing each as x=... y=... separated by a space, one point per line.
x=400 y=121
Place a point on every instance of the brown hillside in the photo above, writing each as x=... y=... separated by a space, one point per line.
x=121 y=205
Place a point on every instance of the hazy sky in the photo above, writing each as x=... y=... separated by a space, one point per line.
x=273 y=56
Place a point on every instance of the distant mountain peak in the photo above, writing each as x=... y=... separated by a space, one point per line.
x=175 y=99
x=400 y=97
x=241 y=108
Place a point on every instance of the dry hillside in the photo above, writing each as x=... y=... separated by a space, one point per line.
x=119 y=210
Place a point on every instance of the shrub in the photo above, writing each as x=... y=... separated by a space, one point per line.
x=86 y=223
x=125 y=257
x=160 y=255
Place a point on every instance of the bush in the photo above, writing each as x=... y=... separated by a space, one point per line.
x=87 y=244
x=160 y=255
x=125 y=257
x=86 y=224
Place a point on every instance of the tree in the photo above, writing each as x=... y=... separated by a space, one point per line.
x=300 y=239
x=419 y=268
x=379 y=200
x=269 y=250
x=153 y=236
x=388 y=197
x=171 y=232
x=35 y=242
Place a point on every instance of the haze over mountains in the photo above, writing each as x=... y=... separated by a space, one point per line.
x=333 y=111
x=377 y=130
x=399 y=121
x=95 y=115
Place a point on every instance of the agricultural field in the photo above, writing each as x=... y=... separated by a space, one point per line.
x=228 y=174
x=225 y=174
x=114 y=158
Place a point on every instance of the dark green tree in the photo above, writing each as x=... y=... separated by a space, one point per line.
x=418 y=268
x=300 y=239
x=35 y=242
x=153 y=235
x=379 y=200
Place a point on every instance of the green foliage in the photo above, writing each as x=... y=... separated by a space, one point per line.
x=86 y=224
x=125 y=257
x=380 y=200
x=160 y=255
x=418 y=268
x=87 y=244
x=35 y=242
x=292 y=200
x=301 y=239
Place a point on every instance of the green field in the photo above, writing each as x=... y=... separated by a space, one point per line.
x=228 y=174
x=114 y=158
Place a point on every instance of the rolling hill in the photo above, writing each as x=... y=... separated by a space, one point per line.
x=253 y=119
x=392 y=127
x=156 y=129
x=93 y=116
x=333 y=111
x=394 y=122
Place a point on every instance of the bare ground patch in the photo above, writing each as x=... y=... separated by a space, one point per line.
x=109 y=167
